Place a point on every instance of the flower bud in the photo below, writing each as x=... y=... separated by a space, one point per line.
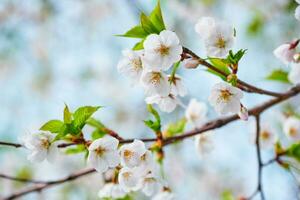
x=243 y=114
x=285 y=53
x=297 y=57
x=191 y=63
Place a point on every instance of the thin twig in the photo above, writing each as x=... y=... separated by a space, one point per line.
x=16 y=145
x=241 y=84
x=42 y=186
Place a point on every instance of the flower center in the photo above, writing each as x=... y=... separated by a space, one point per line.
x=293 y=131
x=193 y=116
x=155 y=78
x=128 y=154
x=149 y=180
x=136 y=64
x=163 y=50
x=127 y=175
x=220 y=43
x=45 y=143
x=265 y=135
x=225 y=95
x=100 y=151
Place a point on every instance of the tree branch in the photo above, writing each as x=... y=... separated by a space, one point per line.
x=255 y=111
x=43 y=185
x=241 y=84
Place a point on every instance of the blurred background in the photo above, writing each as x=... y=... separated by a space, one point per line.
x=64 y=51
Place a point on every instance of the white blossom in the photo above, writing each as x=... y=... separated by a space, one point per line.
x=294 y=74
x=196 y=112
x=177 y=86
x=204 y=143
x=297 y=13
x=151 y=183
x=155 y=83
x=267 y=137
x=165 y=103
x=111 y=190
x=131 y=64
x=164 y=195
x=103 y=153
x=225 y=98
x=291 y=128
x=285 y=53
x=132 y=154
x=218 y=36
x=40 y=146
x=130 y=179
x=161 y=51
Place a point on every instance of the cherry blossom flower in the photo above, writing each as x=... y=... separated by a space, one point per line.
x=294 y=74
x=285 y=53
x=267 y=137
x=204 y=143
x=177 y=86
x=218 y=36
x=131 y=64
x=132 y=154
x=164 y=195
x=196 y=112
x=225 y=98
x=151 y=183
x=111 y=190
x=161 y=51
x=103 y=153
x=41 y=147
x=291 y=128
x=165 y=103
x=130 y=179
x=155 y=83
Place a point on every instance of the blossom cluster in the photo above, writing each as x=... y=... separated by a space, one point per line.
x=135 y=167
x=148 y=68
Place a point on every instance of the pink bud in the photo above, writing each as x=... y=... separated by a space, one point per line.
x=190 y=63
x=243 y=114
x=285 y=53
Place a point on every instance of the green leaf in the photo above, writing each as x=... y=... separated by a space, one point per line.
x=294 y=151
x=256 y=25
x=139 y=45
x=157 y=19
x=54 y=126
x=153 y=112
x=135 y=32
x=67 y=115
x=82 y=114
x=221 y=65
x=234 y=58
x=75 y=150
x=278 y=75
x=227 y=195
x=98 y=133
x=176 y=128
x=148 y=25
x=95 y=123
x=154 y=125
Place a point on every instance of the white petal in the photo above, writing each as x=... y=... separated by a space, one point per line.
x=297 y=13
